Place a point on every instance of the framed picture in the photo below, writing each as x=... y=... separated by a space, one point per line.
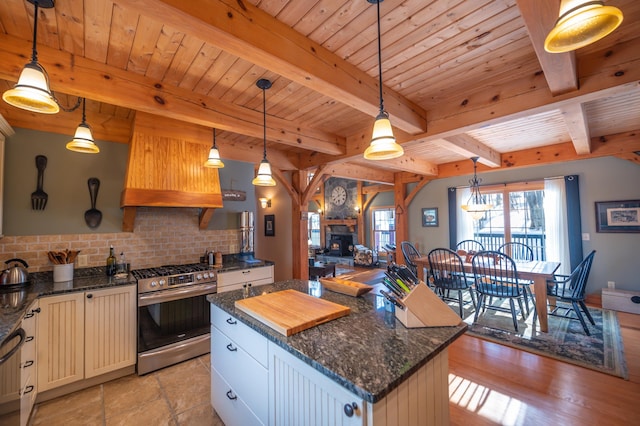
x=618 y=216
x=269 y=225
x=430 y=216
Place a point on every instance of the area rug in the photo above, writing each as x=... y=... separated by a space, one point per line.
x=566 y=340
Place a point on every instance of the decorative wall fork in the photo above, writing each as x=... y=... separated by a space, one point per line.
x=39 y=197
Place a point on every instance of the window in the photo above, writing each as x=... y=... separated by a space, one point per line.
x=383 y=227
x=517 y=215
x=314 y=229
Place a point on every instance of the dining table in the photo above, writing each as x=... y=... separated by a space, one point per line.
x=536 y=271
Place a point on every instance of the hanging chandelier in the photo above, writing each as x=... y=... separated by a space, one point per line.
x=383 y=144
x=581 y=22
x=214 y=160
x=264 y=178
x=83 y=139
x=475 y=205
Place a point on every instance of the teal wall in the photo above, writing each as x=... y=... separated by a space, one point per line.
x=65 y=181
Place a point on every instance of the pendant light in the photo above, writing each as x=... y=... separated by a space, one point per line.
x=83 y=139
x=581 y=22
x=264 y=177
x=32 y=90
x=383 y=144
x=475 y=206
x=214 y=160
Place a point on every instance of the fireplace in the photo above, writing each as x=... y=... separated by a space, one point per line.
x=340 y=245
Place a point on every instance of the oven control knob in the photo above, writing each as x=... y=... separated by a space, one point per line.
x=153 y=283
x=198 y=277
x=162 y=282
x=205 y=275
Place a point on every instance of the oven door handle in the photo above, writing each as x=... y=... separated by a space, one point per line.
x=19 y=333
x=146 y=299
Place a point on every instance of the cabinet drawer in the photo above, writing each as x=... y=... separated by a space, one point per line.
x=252 y=342
x=245 y=275
x=247 y=378
x=230 y=407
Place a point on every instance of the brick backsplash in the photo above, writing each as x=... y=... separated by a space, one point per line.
x=161 y=236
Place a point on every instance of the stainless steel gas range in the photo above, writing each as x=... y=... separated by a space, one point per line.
x=173 y=314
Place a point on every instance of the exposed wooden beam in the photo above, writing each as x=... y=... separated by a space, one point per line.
x=83 y=77
x=245 y=31
x=375 y=189
x=559 y=68
x=356 y=172
x=621 y=144
x=469 y=146
x=575 y=117
x=105 y=127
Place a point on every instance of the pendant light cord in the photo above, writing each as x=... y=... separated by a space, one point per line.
x=34 y=52
x=214 y=138
x=380 y=59
x=264 y=122
x=84 y=115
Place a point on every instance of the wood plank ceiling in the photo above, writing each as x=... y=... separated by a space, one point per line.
x=461 y=78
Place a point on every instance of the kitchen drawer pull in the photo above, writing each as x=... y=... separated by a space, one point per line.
x=231 y=321
x=89 y=296
x=28 y=364
x=246 y=272
x=230 y=395
x=231 y=348
x=29 y=339
x=349 y=409
x=28 y=389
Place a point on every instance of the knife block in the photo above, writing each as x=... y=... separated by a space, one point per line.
x=425 y=309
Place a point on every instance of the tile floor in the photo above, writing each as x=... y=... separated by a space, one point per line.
x=176 y=395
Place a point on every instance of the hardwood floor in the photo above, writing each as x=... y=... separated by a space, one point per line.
x=492 y=384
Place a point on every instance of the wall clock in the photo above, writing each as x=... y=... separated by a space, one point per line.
x=338 y=195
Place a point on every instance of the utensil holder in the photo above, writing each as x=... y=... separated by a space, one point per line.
x=63 y=272
x=425 y=309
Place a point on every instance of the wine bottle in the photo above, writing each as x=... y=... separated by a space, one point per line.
x=111 y=262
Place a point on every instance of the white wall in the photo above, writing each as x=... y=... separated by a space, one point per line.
x=603 y=179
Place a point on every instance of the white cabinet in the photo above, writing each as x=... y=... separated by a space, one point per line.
x=239 y=375
x=304 y=396
x=234 y=280
x=17 y=373
x=82 y=335
x=28 y=370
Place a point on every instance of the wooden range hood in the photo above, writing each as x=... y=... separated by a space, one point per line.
x=165 y=169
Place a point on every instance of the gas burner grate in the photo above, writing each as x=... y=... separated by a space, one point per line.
x=168 y=270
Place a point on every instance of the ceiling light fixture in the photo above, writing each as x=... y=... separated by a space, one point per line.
x=475 y=205
x=581 y=22
x=32 y=90
x=264 y=177
x=214 y=160
x=83 y=139
x=383 y=144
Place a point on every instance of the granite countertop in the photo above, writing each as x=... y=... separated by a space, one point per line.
x=368 y=352
x=41 y=284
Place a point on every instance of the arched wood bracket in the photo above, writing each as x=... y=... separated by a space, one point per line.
x=295 y=197
x=205 y=216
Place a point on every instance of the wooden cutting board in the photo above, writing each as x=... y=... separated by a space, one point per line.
x=290 y=311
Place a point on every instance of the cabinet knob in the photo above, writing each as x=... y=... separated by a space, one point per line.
x=231 y=321
x=230 y=395
x=349 y=409
x=231 y=348
x=89 y=296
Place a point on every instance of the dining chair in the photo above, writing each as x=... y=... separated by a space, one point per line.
x=520 y=251
x=447 y=274
x=470 y=245
x=496 y=276
x=517 y=250
x=571 y=289
x=410 y=253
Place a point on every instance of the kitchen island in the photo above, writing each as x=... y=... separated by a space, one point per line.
x=364 y=368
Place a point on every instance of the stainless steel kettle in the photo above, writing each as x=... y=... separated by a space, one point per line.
x=15 y=274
